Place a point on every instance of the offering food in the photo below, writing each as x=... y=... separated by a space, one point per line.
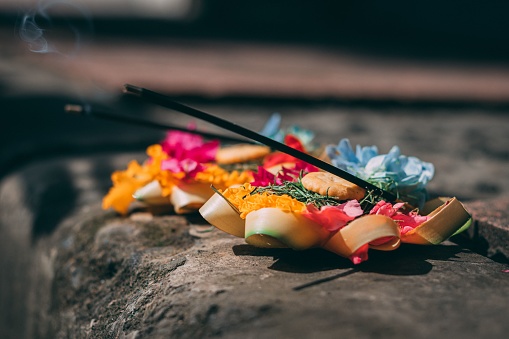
x=302 y=208
x=361 y=200
x=178 y=173
x=241 y=153
x=331 y=185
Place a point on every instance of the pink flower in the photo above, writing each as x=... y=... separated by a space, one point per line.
x=333 y=218
x=187 y=152
x=304 y=167
x=188 y=166
x=406 y=222
x=292 y=174
x=360 y=255
x=277 y=158
x=386 y=208
x=263 y=178
x=183 y=145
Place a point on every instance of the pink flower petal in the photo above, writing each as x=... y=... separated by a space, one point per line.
x=171 y=165
x=183 y=145
x=188 y=165
x=204 y=153
x=263 y=178
x=406 y=222
x=360 y=255
x=333 y=218
x=352 y=208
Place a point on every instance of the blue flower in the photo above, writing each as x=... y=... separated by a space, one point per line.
x=404 y=176
x=272 y=130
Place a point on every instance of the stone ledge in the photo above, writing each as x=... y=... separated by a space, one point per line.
x=170 y=276
x=489 y=233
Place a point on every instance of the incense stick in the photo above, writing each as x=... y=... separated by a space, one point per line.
x=88 y=110
x=165 y=101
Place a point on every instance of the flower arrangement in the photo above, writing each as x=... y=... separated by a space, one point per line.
x=178 y=171
x=406 y=176
x=286 y=202
x=284 y=209
x=181 y=168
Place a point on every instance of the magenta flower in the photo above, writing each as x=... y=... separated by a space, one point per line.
x=263 y=178
x=188 y=166
x=360 y=255
x=183 y=145
x=301 y=167
x=187 y=153
x=406 y=222
x=333 y=218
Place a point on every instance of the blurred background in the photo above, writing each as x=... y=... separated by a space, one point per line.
x=347 y=62
x=431 y=77
x=435 y=54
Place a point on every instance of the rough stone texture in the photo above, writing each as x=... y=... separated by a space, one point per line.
x=100 y=275
x=71 y=270
x=149 y=278
x=59 y=279
x=490 y=231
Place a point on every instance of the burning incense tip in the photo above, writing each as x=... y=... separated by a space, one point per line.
x=74 y=109
x=165 y=101
x=94 y=112
x=131 y=89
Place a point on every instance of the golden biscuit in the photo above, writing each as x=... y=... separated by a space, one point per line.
x=241 y=153
x=329 y=184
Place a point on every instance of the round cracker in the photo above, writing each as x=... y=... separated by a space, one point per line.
x=241 y=153
x=329 y=184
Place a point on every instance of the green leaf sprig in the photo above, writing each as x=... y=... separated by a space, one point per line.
x=297 y=191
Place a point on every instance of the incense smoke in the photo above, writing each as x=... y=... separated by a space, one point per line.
x=41 y=26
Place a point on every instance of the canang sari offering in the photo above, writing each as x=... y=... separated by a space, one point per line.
x=298 y=207
x=274 y=200
x=178 y=172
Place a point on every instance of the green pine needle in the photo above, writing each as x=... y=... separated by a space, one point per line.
x=297 y=191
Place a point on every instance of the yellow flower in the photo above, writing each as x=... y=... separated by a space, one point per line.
x=168 y=180
x=221 y=178
x=125 y=183
x=246 y=202
x=157 y=155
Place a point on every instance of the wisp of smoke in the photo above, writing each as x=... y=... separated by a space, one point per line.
x=38 y=24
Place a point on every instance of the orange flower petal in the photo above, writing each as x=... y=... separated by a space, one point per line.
x=120 y=196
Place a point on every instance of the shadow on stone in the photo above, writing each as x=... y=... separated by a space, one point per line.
x=52 y=198
x=407 y=260
x=288 y=260
x=324 y=280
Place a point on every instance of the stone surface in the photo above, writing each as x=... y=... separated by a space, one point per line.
x=490 y=231
x=151 y=279
x=63 y=261
x=69 y=269
x=100 y=275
